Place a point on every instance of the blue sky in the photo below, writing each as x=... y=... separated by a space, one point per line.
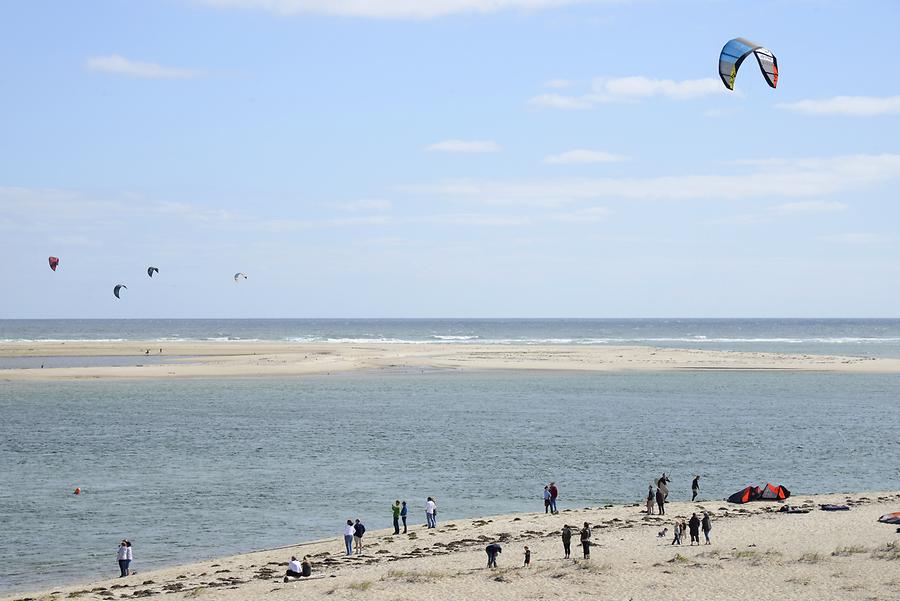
x=447 y=158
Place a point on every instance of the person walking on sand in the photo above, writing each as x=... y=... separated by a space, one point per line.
x=430 y=511
x=660 y=501
x=567 y=540
x=403 y=511
x=348 y=536
x=554 y=494
x=706 y=525
x=527 y=556
x=650 y=500
x=395 y=511
x=586 y=540
x=493 y=550
x=694 y=527
x=695 y=488
x=358 y=530
x=546 y=499
x=122 y=558
x=676 y=532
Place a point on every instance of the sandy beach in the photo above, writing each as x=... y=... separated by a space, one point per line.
x=755 y=550
x=274 y=359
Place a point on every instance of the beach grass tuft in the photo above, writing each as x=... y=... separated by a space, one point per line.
x=414 y=577
x=848 y=551
x=811 y=558
x=889 y=551
x=360 y=586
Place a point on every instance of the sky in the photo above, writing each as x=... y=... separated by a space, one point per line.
x=448 y=158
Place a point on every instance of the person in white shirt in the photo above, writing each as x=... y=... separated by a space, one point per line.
x=295 y=569
x=431 y=513
x=122 y=558
x=128 y=558
x=348 y=536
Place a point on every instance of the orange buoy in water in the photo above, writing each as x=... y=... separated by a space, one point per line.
x=77 y=491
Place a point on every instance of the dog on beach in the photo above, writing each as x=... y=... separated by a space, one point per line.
x=662 y=533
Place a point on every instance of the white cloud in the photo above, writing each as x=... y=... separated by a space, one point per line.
x=583 y=156
x=857 y=106
x=365 y=204
x=464 y=146
x=784 y=178
x=812 y=206
x=558 y=83
x=394 y=9
x=122 y=66
x=588 y=215
x=861 y=238
x=629 y=89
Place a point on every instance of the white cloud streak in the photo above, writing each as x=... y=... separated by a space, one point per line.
x=119 y=65
x=784 y=178
x=813 y=206
x=630 y=89
x=464 y=146
x=583 y=156
x=394 y=9
x=853 y=106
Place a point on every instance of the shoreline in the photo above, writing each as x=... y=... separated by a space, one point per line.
x=288 y=359
x=792 y=553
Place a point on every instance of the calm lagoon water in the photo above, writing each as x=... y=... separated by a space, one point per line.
x=192 y=469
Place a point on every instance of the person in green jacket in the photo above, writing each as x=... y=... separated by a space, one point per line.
x=395 y=509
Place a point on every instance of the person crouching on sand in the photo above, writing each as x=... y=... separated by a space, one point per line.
x=493 y=550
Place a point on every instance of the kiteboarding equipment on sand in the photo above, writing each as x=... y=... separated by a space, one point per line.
x=734 y=53
x=770 y=492
x=833 y=507
x=890 y=518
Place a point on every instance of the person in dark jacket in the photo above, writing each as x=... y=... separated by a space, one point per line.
x=358 y=530
x=403 y=511
x=650 y=500
x=694 y=528
x=554 y=494
x=586 y=540
x=706 y=525
x=660 y=502
x=493 y=550
x=695 y=488
x=567 y=540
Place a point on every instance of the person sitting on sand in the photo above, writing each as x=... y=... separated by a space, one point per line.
x=358 y=530
x=493 y=550
x=706 y=525
x=527 y=556
x=586 y=540
x=695 y=488
x=660 y=501
x=295 y=570
x=694 y=527
x=567 y=540
x=650 y=500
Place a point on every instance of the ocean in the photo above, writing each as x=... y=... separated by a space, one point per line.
x=194 y=469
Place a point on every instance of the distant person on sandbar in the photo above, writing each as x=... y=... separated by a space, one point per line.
x=546 y=499
x=122 y=558
x=554 y=494
x=358 y=530
x=430 y=513
x=348 y=536
x=694 y=527
x=395 y=511
x=586 y=540
x=706 y=526
x=493 y=550
x=567 y=540
x=695 y=488
x=403 y=511
x=650 y=500
x=660 y=501
x=527 y=556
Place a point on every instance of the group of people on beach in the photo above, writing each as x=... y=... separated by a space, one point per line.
x=551 y=492
x=662 y=493
x=124 y=556
x=693 y=526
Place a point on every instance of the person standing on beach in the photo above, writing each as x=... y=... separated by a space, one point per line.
x=663 y=485
x=122 y=558
x=586 y=540
x=660 y=501
x=546 y=499
x=706 y=525
x=554 y=493
x=695 y=488
x=650 y=500
x=676 y=532
x=527 y=556
x=567 y=540
x=348 y=536
x=694 y=527
x=403 y=511
x=358 y=530
x=395 y=510
x=128 y=557
x=430 y=510
x=493 y=550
